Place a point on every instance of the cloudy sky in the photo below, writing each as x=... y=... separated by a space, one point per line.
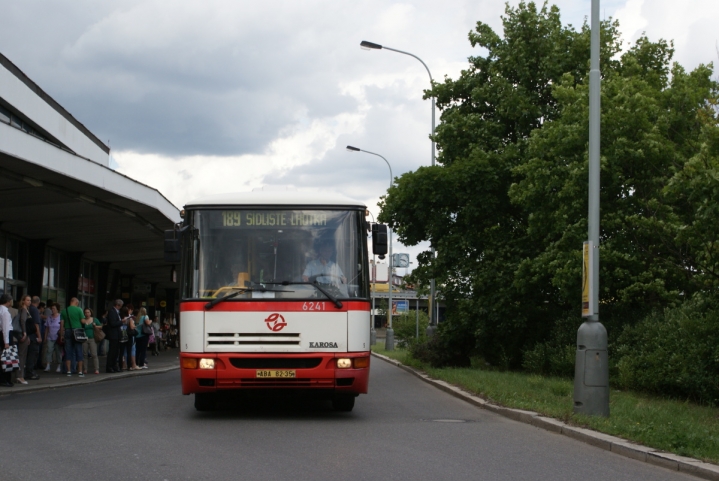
x=212 y=96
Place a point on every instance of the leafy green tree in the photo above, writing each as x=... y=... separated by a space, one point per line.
x=506 y=208
x=694 y=193
x=658 y=171
x=651 y=128
x=462 y=206
x=406 y=327
x=381 y=306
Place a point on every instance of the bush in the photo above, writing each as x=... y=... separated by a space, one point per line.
x=673 y=353
x=437 y=352
x=551 y=360
x=451 y=346
x=557 y=355
x=405 y=328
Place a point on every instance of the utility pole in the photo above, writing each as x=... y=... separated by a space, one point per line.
x=591 y=369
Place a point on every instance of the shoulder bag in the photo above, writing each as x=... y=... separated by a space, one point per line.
x=17 y=330
x=16 y=325
x=99 y=333
x=78 y=335
x=146 y=330
x=10 y=359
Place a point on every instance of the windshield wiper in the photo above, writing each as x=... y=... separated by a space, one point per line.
x=214 y=302
x=240 y=290
x=334 y=300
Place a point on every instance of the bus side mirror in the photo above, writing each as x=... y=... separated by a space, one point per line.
x=172 y=246
x=379 y=240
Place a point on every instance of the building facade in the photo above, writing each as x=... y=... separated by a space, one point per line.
x=70 y=226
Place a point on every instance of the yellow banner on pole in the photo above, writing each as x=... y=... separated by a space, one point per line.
x=587 y=254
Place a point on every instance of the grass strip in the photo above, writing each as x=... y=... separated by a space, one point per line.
x=679 y=427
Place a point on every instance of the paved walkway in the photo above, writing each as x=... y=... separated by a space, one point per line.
x=166 y=361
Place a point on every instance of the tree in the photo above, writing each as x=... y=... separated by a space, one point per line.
x=694 y=193
x=651 y=127
x=407 y=325
x=506 y=207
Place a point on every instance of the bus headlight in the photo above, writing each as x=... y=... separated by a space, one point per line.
x=207 y=363
x=344 y=363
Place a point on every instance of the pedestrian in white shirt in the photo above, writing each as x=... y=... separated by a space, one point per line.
x=6 y=326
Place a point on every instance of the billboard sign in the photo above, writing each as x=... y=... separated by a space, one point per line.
x=400 y=307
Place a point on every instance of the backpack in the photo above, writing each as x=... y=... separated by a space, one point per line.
x=16 y=322
x=17 y=329
x=123 y=334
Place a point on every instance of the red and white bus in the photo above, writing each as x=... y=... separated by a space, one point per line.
x=274 y=295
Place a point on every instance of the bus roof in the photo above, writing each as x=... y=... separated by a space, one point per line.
x=276 y=198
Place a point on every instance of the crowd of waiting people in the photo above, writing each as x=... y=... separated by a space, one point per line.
x=48 y=334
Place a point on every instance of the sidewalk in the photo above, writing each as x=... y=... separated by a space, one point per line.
x=166 y=361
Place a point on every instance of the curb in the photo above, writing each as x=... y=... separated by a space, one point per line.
x=614 y=444
x=90 y=380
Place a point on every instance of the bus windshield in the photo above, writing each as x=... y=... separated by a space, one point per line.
x=255 y=251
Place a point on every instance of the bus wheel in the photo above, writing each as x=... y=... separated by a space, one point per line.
x=205 y=401
x=343 y=403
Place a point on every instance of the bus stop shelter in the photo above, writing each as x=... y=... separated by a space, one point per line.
x=71 y=226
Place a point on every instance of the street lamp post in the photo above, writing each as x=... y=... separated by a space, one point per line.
x=389 y=337
x=591 y=368
x=375 y=46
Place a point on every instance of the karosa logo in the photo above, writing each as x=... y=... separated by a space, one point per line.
x=323 y=345
x=275 y=322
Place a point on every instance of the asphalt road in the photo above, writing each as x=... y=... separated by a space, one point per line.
x=143 y=428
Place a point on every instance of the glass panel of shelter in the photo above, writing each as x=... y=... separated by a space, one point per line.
x=86 y=286
x=13 y=266
x=54 y=285
x=3 y=256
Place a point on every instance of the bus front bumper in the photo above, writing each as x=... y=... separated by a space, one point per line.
x=213 y=372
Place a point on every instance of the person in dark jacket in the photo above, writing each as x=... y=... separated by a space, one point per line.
x=34 y=332
x=114 y=321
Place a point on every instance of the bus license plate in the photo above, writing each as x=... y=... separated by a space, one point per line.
x=275 y=373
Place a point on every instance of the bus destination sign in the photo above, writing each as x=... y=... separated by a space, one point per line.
x=268 y=218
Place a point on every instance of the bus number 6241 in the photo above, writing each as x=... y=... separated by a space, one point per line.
x=313 y=306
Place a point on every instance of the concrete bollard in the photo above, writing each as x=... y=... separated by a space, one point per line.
x=389 y=340
x=591 y=371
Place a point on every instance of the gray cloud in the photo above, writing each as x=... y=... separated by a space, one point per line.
x=225 y=78
x=225 y=83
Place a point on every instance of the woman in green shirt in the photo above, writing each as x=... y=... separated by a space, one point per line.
x=89 y=323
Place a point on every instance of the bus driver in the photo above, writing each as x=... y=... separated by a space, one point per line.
x=323 y=269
